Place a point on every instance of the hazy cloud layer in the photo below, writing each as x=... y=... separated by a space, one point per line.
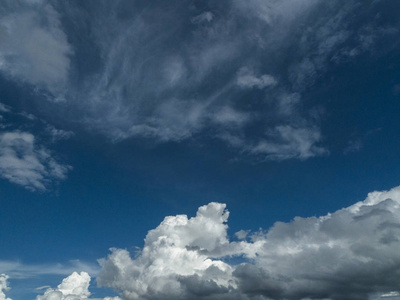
x=353 y=253
x=19 y=270
x=171 y=71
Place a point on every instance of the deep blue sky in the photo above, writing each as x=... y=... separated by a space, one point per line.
x=153 y=108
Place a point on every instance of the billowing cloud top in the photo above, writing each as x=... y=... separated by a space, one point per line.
x=353 y=253
x=3 y=287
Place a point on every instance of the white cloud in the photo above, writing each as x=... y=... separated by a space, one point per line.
x=175 y=260
x=75 y=286
x=25 y=163
x=353 y=253
x=33 y=46
x=3 y=287
x=286 y=142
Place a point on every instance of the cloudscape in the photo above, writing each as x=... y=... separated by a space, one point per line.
x=199 y=149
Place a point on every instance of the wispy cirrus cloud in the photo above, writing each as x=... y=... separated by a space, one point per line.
x=176 y=76
x=20 y=270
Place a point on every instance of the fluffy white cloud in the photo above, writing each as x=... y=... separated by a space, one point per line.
x=176 y=261
x=33 y=46
x=3 y=287
x=25 y=163
x=353 y=253
x=74 y=287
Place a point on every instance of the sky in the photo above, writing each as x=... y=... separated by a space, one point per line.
x=243 y=150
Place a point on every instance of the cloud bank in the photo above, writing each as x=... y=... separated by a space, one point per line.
x=353 y=253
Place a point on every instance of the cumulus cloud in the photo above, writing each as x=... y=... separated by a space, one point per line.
x=3 y=287
x=176 y=261
x=353 y=253
x=74 y=287
x=33 y=46
x=24 y=162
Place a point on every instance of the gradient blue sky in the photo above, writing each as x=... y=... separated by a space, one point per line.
x=115 y=114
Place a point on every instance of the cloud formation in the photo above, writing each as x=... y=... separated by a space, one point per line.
x=353 y=253
x=19 y=270
x=23 y=159
x=25 y=163
x=3 y=287
x=33 y=46
x=73 y=287
x=125 y=73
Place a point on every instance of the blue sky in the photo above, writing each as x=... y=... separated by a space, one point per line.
x=117 y=115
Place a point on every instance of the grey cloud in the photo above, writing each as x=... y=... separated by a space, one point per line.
x=215 y=71
x=58 y=134
x=33 y=46
x=24 y=158
x=24 y=162
x=286 y=142
x=352 y=253
x=203 y=17
x=19 y=270
x=247 y=79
